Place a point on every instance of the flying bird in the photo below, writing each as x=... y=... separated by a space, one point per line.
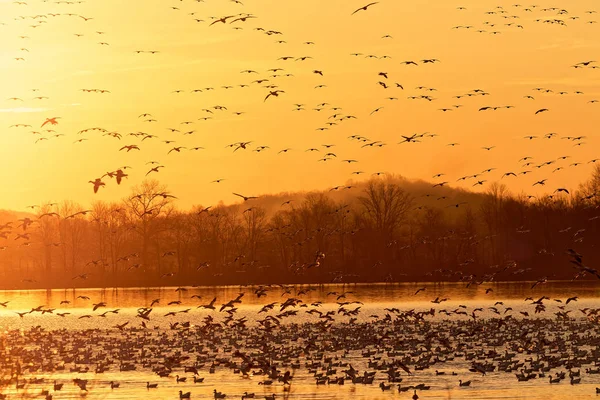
x=97 y=184
x=364 y=8
x=274 y=93
x=246 y=198
x=51 y=121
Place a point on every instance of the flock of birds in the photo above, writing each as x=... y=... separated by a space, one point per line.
x=272 y=80
x=336 y=347
x=296 y=340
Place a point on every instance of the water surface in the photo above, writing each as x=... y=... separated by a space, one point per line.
x=496 y=300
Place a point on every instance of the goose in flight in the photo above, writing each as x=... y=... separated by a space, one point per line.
x=166 y=195
x=97 y=183
x=222 y=19
x=82 y=276
x=274 y=93
x=130 y=147
x=51 y=121
x=570 y=299
x=209 y=306
x=118 y=174
x=177 y=149
x=204 y=210
x=364 y=8
x=155 y=169
x=243 y=18
x=239 y=145
x=412 y=138
x=246 y=198
x=541 y=110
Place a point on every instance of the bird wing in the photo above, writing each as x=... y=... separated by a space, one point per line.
x=364 y=7
x=405 y=368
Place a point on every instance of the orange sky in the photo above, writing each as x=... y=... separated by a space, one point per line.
x=194 y=55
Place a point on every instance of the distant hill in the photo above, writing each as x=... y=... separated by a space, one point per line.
x=386 y=229
x=423 y=192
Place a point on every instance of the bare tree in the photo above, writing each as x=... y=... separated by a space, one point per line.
x=491 y=210
x=71 y=230
x=145 y=207
x=589 y=191
x=47 y=233
x=385 y=206
x=254 y=223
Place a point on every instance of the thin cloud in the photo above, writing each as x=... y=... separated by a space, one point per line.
x=24 y=110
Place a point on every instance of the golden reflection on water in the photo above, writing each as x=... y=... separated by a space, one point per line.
x=367 y=293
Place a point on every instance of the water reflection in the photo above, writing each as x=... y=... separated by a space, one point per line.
x=367 y=293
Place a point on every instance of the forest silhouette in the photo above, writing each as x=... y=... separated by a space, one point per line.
x=388 y=229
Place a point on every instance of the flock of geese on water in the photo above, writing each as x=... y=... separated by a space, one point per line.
x=296 y=339
x=499 y=19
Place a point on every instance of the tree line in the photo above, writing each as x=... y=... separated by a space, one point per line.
x=388 y=229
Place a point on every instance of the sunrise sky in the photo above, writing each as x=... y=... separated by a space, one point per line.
x=62 y=54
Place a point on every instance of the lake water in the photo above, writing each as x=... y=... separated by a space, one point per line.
x=99 y=335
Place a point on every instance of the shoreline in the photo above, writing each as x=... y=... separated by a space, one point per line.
x=297 y=284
